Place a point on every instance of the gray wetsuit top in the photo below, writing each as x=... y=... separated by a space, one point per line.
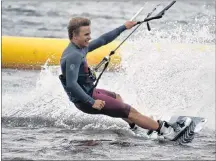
x=75 y=72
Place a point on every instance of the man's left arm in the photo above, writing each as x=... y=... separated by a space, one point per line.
x=110 y=36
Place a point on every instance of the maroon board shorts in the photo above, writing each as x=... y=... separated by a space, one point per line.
x=113 y=107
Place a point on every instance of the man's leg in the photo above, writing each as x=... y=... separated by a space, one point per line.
x=119 y=98
x=131 y=123
x=142 y=120
x=118 y=109
x=139 y=119
x=133 y=116
x=162 y=127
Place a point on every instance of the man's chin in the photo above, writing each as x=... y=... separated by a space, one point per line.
x=86 y=44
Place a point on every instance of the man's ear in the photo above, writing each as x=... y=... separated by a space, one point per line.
x=74 y=35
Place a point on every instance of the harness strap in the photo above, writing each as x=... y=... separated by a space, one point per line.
x=105 y=66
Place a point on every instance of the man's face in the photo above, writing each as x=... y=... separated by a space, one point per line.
x=84 y=36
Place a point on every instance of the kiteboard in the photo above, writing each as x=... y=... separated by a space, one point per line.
x=188 y=133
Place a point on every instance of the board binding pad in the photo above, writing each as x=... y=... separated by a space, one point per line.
x=198 y=121
x=187 y=135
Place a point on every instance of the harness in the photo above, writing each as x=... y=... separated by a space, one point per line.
x=85 y=80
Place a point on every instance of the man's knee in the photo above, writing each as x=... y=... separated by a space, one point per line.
x=132 y=113
x=118 y=97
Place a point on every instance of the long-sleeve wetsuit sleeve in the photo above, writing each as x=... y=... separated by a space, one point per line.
x=105 y=38
x=73 y=63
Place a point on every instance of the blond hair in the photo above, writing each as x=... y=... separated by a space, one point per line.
x=75 y=24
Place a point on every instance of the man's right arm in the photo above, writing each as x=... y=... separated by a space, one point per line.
x=73 y=63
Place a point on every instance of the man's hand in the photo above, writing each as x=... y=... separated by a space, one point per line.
x=130 y=24
x=99 y=104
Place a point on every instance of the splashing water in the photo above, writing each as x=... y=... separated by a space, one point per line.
x=157 y=79
x=169 y=70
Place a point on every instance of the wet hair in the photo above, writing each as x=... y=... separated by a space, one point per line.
x=75 y=24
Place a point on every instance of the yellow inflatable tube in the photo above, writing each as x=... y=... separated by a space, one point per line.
x=32 y=52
